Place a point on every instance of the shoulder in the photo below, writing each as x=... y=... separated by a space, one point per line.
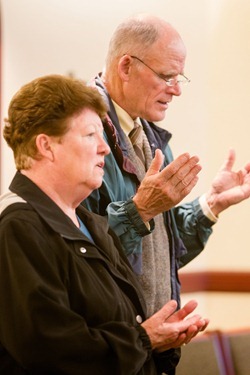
x=8 y=199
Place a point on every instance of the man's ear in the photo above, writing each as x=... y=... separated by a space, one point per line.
x=44 y=146
x=124 y=67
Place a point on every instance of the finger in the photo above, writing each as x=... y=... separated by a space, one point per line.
x=229 y=162
x=186 y=188
x=186 y=183
x=182 y=326
x=185 y=175
x=185 y=337
x=173 y=168
x=193 y=330
x=246 y=169
x=156 y=163
x=181 y=340
x=193 y=321
x=187 y=309
x=203 y=324
x=199 y=326
x=187 y=172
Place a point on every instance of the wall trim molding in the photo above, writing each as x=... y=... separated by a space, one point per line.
x=215 y=281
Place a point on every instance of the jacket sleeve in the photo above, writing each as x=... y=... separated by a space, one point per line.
x=126 y=222
x=39 y=328
x=189 y=224
x=194 y=229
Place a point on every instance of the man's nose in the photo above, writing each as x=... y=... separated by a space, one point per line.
x=174 y=90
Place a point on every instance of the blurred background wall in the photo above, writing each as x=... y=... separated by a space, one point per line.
x=71 y=37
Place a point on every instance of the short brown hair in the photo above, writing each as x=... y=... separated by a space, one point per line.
x=43 y=106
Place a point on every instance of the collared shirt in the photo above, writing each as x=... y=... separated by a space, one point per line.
x=126 y=121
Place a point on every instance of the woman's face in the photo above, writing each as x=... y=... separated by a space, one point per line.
x=81 y=151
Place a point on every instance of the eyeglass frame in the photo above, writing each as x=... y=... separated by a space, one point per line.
x=170 y=81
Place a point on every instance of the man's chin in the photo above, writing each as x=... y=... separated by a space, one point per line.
x=157 y=117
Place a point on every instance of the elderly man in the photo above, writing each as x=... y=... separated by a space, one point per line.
x=144 y=71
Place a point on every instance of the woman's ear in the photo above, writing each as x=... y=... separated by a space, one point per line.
x=124 y=67
x=44 y=146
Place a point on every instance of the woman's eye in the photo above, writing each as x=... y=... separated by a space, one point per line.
x=89 y=135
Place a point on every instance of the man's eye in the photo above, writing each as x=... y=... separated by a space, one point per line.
x=166 y=78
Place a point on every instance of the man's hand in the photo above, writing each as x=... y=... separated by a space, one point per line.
x=229 y=187
x=161 y=190
x=169 y=328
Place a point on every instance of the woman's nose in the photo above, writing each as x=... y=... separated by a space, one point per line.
x=104 y=147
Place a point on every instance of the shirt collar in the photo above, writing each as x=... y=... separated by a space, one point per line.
x=126 y=122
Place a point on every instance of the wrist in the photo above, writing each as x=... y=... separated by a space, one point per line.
x=142 y=227
x=209 y=206
x=141 y=211
x=213 y=208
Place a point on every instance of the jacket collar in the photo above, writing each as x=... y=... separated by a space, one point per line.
x=50 y=211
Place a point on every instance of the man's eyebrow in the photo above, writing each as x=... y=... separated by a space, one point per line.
x=167 y=76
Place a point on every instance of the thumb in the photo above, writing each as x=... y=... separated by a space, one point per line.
x=166 y=311
x=229 y=162
x=156 y=163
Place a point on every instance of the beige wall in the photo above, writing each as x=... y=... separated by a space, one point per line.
x=71 y=36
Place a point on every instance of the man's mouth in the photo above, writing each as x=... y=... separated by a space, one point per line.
x=164 y=104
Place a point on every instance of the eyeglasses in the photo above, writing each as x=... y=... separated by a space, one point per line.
x=179 y=79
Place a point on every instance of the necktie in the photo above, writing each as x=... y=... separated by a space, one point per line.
x=136 y=136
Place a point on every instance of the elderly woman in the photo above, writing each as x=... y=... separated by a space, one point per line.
x=70 y=303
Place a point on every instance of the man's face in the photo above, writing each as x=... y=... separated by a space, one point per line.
x=146 y=94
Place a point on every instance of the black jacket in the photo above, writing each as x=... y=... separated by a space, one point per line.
x=68 y=306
